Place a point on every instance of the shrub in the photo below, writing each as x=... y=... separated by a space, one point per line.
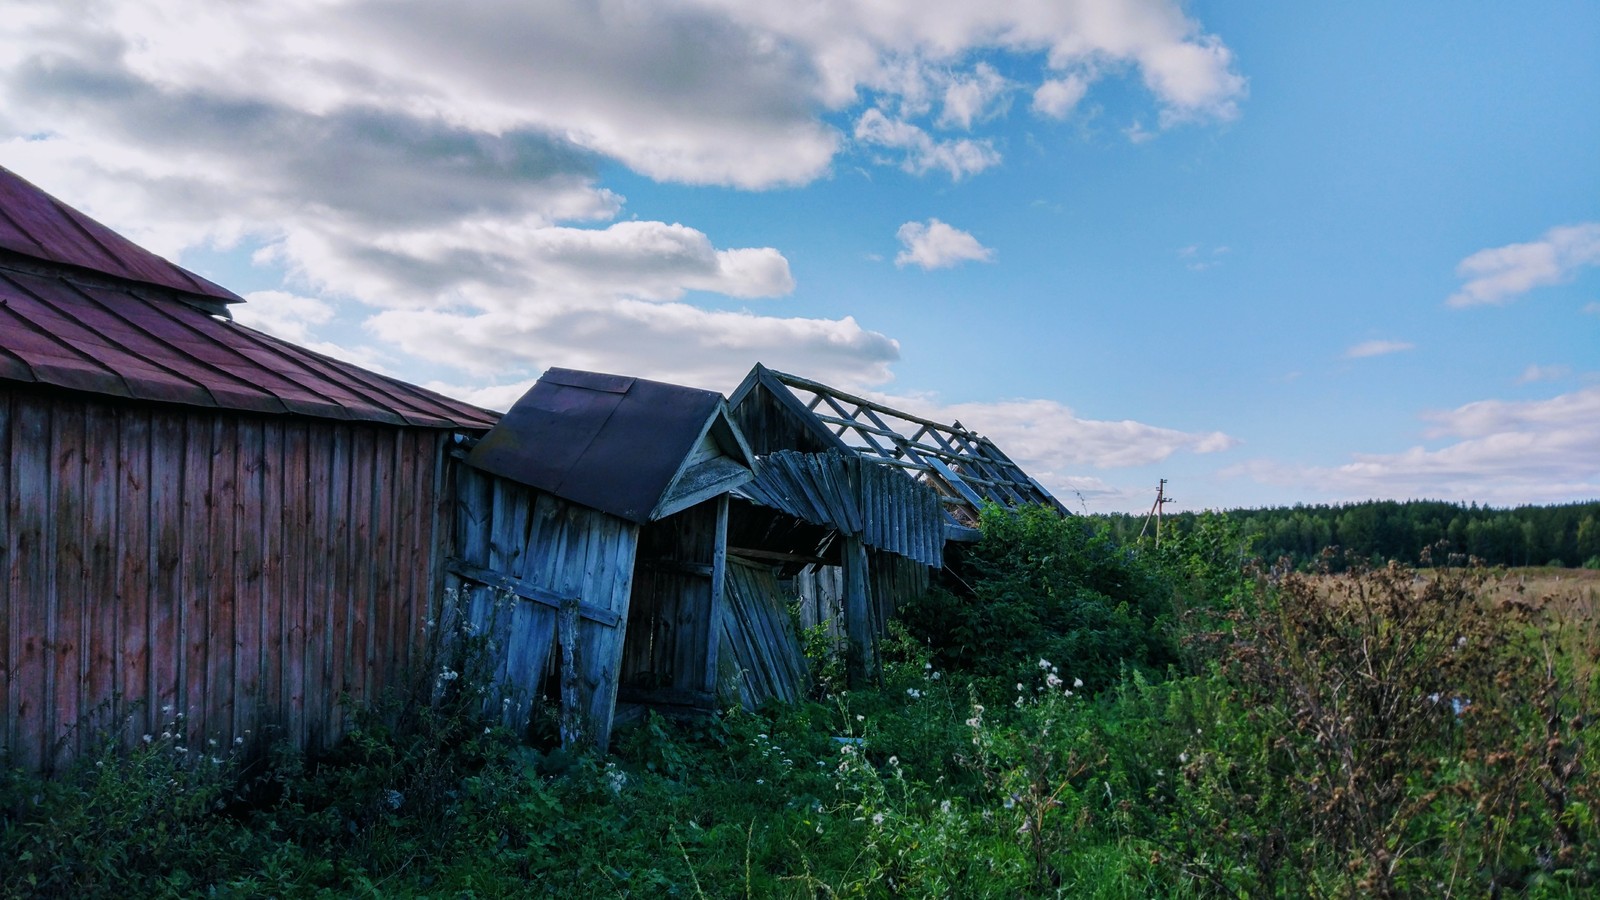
x=1045 y=586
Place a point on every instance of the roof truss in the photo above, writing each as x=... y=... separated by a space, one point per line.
x=964 y=467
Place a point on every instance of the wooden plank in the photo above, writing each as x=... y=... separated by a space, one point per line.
x=64 y=628
x=132 y=680
x=250 y=630
x=31 y=545
x=320 y=578
x=166 y=649
x=189 y=697
x=340 y=589
x=358 y=666
x=10 y=620
x=392 y=606
x=103 y=620
x=861 y=666
x=222 y=636
x=298 y=563
x=719 y=575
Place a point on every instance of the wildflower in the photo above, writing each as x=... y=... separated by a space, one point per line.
x=1183 y=757
x=1019 y=686
x=1077 y=683
x=935 y=676
x=761 y=781
x=393 y=799
x=1044 y=664
x=238 y=741
x=449 y=674
x=894 y=760
x=167 y=710
x=927 y=665
x=944 y=807
x=877 y=818
x=148 y=739
x=860 y=718
x=913 y=693
x=1053 y=680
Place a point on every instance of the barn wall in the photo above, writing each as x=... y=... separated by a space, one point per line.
x=241 y=572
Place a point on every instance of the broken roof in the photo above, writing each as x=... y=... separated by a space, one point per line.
x=84 y=309
x=778 y=411
x=637 y=449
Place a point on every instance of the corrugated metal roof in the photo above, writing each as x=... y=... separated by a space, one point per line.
x=37 y=225
x=605 y=441
x=142 y=344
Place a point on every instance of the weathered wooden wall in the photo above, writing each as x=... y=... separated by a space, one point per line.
x=526 y=553
x=232 y=575
x=761 y=652
x=669 y=660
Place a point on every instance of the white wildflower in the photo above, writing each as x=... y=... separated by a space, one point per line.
x=1077 y=683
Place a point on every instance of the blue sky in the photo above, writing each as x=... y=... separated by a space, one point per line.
x=1274 y=253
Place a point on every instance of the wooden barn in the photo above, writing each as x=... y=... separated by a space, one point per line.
x=600 y=505
x=203 y=528
x=864 y=496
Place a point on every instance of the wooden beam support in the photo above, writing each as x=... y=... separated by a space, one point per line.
x=526 y=591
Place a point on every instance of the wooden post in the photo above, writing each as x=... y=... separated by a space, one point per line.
x=719 y=575
x=861 y=659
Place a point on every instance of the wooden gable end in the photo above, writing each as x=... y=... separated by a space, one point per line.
x=719 y=461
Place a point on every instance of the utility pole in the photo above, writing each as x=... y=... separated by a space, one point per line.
x=1155 y=511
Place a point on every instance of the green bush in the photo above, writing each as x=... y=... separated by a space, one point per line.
x=1045 y=586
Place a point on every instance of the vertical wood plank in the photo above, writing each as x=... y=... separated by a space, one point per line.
x=30 y=579
x=719 y=574
x=167 y=649
x=860 y=665
x=9 y=621
x=299 y=503
x=245 y=692
x=358 y=659
x=135 y=580
x=102 y=621
x=64 y=577
x=221 y=636
x=319 y=587
x=275 y=598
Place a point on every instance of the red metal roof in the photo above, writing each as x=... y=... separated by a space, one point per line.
x=85 y=309
x=123 y=342
x=37 y=225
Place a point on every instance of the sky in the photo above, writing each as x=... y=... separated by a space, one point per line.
x=1272 y=253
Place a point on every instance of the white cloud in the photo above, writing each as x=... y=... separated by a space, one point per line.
x=922 y=153
x=1591 y=309
x=1501 y=452
x=1057 y=97
x=1535 y=373
x=935 y=245
x=969 y=97
x=440 y=166
x=1377 y=348
x=1500 y=275
x=1049 y=437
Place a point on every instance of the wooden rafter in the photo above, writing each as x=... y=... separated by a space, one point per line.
x=966 y=468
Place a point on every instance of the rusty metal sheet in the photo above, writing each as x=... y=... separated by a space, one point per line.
x=609 y=442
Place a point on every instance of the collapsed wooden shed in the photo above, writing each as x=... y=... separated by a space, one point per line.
x=204 y=529
x=600 y=502
x=865 y=496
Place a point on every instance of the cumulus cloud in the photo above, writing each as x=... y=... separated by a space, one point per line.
x=1495 y=451
x=935 y=245
x=1499 y=275
x=469 y=188
x=1057 y=97
x=1377 y=348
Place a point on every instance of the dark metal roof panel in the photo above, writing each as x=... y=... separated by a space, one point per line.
x=137 y=344
x=37 y=225
x=609 y=442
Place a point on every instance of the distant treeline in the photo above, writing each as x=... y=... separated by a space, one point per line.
x=1566 y=535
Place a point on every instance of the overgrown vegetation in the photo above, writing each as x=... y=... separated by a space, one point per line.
x=1083 y=719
